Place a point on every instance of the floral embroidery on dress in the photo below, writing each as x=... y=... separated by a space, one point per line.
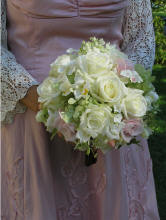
x=78 y=179
x=15 y=183
x=136 y=210
x=136 y=186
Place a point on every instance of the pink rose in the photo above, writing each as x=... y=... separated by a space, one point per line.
x=132 y=128
x=66 y=129
x=124 y=64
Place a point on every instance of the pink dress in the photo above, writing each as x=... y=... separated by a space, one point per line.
x=47 y=180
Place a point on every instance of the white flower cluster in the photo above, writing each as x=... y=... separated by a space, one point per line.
x=89 y=91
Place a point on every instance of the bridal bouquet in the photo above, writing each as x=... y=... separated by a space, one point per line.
x=96 y=98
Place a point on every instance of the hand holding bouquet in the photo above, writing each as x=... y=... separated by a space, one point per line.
x=96 y=98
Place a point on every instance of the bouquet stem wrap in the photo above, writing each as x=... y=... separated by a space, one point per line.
x=91 y=158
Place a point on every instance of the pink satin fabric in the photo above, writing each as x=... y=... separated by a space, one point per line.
x=39 y=31
x=47 y=180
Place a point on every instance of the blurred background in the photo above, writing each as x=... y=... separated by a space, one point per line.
x=157 y=142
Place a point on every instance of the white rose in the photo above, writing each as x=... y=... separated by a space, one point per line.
x=134 y=104
x=113 y=131
x=114 y=127
x=93 y=122
x=94 y=63
x=108 y=89
x=62 y=65
x=48 y=89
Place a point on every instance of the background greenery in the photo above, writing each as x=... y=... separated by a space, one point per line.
x=157 y=142
x=159 y=15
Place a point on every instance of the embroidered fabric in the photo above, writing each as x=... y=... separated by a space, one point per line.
x=15 y=80
x=77 y=179
x=15 y=184
x=136 y=187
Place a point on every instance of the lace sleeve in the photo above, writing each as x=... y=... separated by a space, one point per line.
x=15 y=80
x=138 y=33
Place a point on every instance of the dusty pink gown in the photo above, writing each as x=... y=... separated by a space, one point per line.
x=46 y=180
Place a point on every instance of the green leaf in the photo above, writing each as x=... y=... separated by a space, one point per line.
x=53 y=134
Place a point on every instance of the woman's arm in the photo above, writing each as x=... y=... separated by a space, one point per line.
x=138 y=33
x=18 y=87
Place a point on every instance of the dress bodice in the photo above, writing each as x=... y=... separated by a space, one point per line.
x=41 y=30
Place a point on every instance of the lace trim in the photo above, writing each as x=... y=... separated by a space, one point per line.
x=10 y=115
x=15 y=80
x=138 y=33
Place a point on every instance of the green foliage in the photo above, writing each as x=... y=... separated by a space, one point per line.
x=160 y=85
x=71 y=78
x=158 y=6
x=147 y=77
x=54 y=132
x=82 y=147
x=159 y=12
x=42 y=115
x=67 y=115
x=160 y=40
x=93 y=42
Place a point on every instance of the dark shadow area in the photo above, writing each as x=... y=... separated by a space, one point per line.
x=157 y=142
